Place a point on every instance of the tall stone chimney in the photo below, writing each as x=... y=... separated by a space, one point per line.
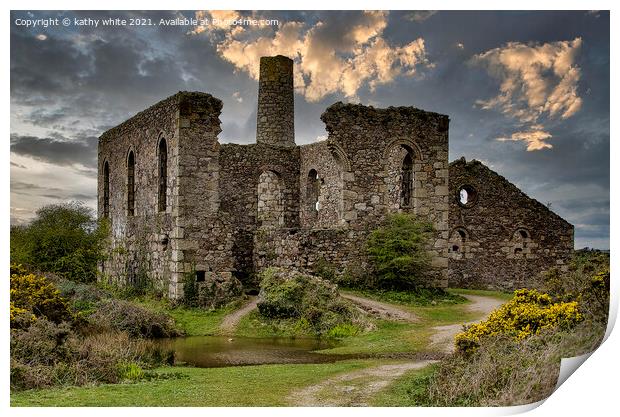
x=275 y=118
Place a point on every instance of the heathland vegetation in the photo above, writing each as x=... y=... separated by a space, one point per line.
x=513 y=357
x=73 y=338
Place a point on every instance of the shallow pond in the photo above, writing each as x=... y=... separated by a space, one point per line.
x=220 y=351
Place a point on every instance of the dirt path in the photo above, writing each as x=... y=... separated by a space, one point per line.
x=443 y=337
x=357 y=388
x=376 y=308
x=353 y=389
x=231 y=321
x=383 y=310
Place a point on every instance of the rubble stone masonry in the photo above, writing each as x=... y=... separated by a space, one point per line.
x=184 y=208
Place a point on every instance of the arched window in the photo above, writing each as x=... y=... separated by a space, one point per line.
x=163 y=175
x=313 y=189
x=106 y=189
x=131 y=182
x=406 y=185
x=522 y=244
x=270 y=200
x=459 y=242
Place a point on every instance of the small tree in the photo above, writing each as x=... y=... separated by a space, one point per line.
x=398 y=252
x=63 y=238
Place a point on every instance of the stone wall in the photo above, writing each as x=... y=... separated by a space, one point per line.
x=500 y=238
x=309 y=249
x=202 y=237
x=375 y=145
x=321 y=186
x=139 y=244
x=232 y=210
x=189 y=238
x=241 y=168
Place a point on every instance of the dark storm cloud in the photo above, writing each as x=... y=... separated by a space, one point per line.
x=40 y=69
x=55 y=151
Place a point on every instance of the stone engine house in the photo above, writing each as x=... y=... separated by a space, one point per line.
x=181 y=206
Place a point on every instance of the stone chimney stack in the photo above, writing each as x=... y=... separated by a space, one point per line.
x=276 y=114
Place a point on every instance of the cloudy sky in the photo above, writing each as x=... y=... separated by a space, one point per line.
x=527 y=92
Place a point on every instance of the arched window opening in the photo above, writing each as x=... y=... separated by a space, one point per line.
x=459 y=242
x=521 y=235
x=399 y=178
x=313 y=189
x=163 y=175
x=521 y=243
x=131 y=170
x=270 y=200
x=406 y=185
x=106 y=189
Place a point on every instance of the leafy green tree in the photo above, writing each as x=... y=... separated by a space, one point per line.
x=398 y=252
x=63 y=238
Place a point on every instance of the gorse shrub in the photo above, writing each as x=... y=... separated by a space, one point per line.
x=63 y=238
x=528 y=313
x=586 y=281
x=398 y=252
x=51 y=345
x=514 y=356
x=504 y=371
x=34 y=295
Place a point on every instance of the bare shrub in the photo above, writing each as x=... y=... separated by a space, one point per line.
x=137 y=321
x=48 y=354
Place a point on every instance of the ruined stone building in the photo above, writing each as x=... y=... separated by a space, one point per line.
x=182 y=206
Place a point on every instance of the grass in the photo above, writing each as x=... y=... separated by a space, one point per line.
x=389 y=336
x=193 y=321
x=404 y=391
x=424 y=297
x=266 y=385
x=254 y=325
x=502 y=295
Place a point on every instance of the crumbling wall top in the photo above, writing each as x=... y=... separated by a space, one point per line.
x=186 y=102
x=478 y=171
x=340 y=113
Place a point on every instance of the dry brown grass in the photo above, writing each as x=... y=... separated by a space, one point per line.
x=503 y=372
x=48 y=354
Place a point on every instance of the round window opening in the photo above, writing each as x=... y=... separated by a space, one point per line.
x=467 y=196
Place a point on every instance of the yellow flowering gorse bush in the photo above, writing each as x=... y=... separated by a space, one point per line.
x=34 y=294
x=526 y=314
